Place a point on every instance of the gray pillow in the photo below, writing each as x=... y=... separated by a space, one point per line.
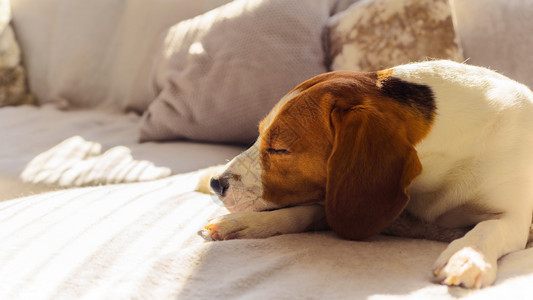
x=220 y=73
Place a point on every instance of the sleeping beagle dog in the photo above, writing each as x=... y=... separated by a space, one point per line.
x=448 y=143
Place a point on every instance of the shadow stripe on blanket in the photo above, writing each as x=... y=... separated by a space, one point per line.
x=61 y=247
x=97 y=241
x=114 y=249
x=77 y=162
x=42 y=209
x=20 y=206
x=143 y=240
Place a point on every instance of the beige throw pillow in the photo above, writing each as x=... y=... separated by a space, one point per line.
x=220 y=73
x=377 y=34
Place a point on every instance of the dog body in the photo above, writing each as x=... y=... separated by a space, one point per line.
x=446 y=142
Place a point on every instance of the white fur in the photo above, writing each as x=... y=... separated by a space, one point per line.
x=246 y=224
x=478 y=154
x=245 y=192
x=477 y=170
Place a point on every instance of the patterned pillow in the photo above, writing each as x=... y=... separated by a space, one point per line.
x=377 y=34
x=12 y=75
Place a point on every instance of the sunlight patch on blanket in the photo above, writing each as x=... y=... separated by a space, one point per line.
x=77 y=162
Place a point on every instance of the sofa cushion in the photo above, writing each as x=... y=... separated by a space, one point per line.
x=87 y=54
x=377 y=34
x=13 y=89
x=29 y=133
x=220 y=73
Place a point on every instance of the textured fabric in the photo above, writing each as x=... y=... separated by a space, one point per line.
x=220 y=73
x=88 y=54
x=341 y=5
x=498 y=34
x=77 y=162
x=12 y=75
x=29 y=131
x=377 y=34
x=139 y=241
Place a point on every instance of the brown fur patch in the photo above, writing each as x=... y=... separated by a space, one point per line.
x=312 y=127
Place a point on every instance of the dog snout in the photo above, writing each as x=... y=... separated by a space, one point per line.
x=219 y=185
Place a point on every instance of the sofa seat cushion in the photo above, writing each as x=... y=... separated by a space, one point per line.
x=28 y=131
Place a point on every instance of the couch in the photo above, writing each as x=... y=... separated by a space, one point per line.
x=124 y=105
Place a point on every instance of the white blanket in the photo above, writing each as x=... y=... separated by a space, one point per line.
x=140 y=241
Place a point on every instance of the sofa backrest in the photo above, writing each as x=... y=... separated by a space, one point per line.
x=86 y=54
x=497 y=34
x=89 y=54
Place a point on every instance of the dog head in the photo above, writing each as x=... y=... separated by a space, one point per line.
x=345 y=138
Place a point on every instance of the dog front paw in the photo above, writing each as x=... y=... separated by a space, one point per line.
x=467 y=268
x=223 y=228
x=241 y=225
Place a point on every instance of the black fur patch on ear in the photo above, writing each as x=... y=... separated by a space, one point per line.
x=417 y=96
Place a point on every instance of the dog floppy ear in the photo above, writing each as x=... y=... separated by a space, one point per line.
x=370 y=168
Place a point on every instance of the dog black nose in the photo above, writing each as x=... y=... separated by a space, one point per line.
x=219 y=185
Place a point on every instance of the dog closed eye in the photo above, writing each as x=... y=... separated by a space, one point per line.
x=278 y=151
